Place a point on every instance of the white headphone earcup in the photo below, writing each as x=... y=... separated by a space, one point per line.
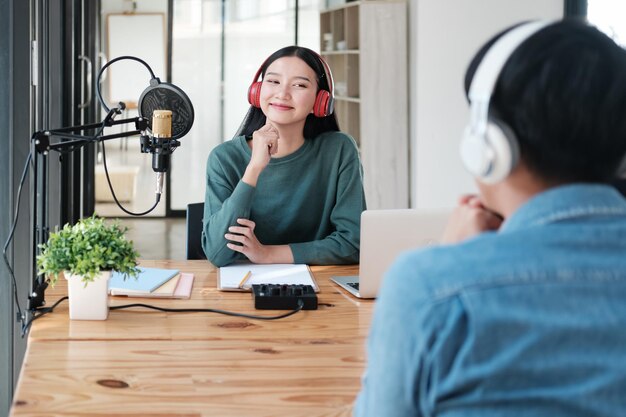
x=506 y=149
x=475 y=153
x=491 y=158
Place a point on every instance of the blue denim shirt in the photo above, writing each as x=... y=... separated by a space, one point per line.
x=526 y=321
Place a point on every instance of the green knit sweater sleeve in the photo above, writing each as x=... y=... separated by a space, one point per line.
x=226 y=199
x=342 y=245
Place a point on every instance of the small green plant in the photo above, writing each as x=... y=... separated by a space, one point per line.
x=86 y=248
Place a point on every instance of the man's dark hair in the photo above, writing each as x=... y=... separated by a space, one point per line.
x=255 y=119
x=563 y=92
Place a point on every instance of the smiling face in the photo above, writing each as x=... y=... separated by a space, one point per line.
x=288 y=92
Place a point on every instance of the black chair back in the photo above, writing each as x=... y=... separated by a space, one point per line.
x=195 y=211
x=620 y=184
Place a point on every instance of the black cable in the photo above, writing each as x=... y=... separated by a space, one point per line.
x=42 y=312
x=46 y=310
x=212 y=310
x=106 y=169
x=105 y=66
x=106 y=172
x=12 y=232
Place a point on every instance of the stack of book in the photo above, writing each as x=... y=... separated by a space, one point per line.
x=152 y=282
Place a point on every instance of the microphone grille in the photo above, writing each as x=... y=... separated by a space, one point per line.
x=162 y=123
x=170 y=97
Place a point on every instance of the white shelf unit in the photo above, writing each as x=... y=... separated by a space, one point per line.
x=365 y=45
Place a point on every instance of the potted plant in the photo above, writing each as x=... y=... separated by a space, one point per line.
x=86 y=253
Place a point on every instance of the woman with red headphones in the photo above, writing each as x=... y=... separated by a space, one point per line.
x=288 y=187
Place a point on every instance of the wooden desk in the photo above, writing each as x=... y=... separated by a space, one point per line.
x=147 y=363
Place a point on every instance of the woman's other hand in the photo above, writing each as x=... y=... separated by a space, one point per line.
x=242 y=239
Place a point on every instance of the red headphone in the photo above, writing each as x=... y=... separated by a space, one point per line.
x=324 y=101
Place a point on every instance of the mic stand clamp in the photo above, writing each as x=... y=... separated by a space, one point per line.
x=159 y=148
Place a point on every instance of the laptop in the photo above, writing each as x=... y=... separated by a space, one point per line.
x=384 y=235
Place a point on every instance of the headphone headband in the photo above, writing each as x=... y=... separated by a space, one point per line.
x=327 y=72
x=489 y=69
x=324 y=99
x=489 y=148
x=259 y=71
x=329 y=75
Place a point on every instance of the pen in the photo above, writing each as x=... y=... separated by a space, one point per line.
x=245 y=279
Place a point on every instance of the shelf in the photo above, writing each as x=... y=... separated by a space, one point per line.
x=347 y=112
x=364 y=44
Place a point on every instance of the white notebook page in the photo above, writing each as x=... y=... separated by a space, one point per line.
x=293 y=274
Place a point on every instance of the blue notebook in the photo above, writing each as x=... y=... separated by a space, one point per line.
x=148 y=280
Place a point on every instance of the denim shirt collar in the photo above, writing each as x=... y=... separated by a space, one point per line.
x=567 y=202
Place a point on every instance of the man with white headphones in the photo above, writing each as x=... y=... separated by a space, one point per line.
x=522 y=311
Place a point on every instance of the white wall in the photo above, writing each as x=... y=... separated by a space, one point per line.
x=444 y=35
x=133 y=35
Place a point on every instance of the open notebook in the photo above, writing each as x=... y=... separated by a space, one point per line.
x=230 y=277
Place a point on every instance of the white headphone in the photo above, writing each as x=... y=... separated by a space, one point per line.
x=489 y=148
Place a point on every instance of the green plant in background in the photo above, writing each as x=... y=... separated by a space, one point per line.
x=85 y=249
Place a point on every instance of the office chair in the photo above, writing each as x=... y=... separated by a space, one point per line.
x=195 y=211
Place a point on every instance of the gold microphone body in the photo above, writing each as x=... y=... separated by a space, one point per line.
x=161 y=133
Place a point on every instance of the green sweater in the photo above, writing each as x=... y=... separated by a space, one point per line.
x=311 y=200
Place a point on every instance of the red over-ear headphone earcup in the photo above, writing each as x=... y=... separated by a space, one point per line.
x=323 y=104
x=254 y=94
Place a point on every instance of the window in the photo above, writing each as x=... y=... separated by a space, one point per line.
x=608 y=16
x=217 y=47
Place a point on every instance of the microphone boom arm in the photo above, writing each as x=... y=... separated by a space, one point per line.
x=41 y=147
x=42 y=138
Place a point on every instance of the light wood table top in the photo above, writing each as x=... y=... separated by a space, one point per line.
x=143 y=362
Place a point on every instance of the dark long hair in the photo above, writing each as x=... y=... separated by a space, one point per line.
x=313 y=126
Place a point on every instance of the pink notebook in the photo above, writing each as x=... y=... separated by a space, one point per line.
x=185 y=284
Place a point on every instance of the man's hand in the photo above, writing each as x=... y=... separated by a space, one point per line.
x=469 y=219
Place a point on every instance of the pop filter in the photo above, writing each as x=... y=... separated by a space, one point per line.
x=165 y=96
x=158 y=96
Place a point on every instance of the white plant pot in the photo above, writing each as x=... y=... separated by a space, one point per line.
x=89 y=302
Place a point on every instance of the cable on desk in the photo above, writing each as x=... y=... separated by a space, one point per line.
x=212 y=310
x=42 y=312
x=45 y=310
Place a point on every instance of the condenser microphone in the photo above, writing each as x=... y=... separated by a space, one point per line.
x=161 y=141
x=168 y=114
x=158 y=96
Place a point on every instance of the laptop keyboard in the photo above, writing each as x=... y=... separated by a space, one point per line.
x=354 y=285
